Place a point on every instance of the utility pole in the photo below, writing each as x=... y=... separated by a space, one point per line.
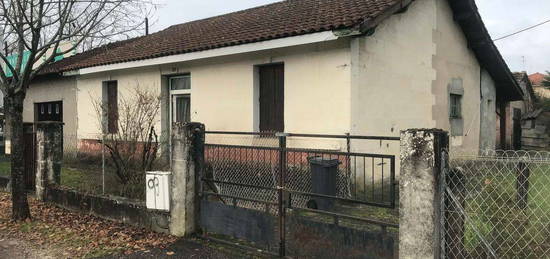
x=146 y=26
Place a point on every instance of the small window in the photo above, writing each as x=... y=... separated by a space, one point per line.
x=49 y=111
x=180 y=83
x=455 y=106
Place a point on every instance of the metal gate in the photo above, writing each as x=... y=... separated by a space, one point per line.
x=301 y=194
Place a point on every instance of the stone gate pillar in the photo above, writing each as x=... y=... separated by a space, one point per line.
x=49 y=155
x=423 y=158
x=187 y=152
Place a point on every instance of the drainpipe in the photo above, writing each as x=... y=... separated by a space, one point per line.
x=146 y=26
x=503 y=115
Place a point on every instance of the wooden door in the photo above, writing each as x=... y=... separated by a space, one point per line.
x=272 y=98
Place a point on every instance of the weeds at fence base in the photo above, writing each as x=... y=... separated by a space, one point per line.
x=83 y=172
x=506 y=207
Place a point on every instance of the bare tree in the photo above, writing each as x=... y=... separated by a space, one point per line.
x=133 y=147
x=33 y=31
x=546 y=80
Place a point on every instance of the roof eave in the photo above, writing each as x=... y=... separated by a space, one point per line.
x=466 y=15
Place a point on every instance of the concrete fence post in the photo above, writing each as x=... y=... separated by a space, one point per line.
x=420 y=196
x=187 y=160
x=49 y=156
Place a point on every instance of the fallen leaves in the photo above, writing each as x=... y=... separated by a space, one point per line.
x=77 y=234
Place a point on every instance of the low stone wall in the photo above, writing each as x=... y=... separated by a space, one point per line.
x=116 y=209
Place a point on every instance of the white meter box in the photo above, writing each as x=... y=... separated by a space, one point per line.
x=158 y=190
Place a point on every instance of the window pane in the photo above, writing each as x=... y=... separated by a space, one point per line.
x=455 y=106
x=180 y=83
x=183 y=109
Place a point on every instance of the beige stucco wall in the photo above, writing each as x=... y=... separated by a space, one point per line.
x=402 y=73
x=224 y=91
x=55 y=89
x=453 y=59
x=89 y=94
x=392 y=74
x=401 y=76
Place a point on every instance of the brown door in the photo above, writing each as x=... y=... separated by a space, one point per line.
x=29 y=154
x=272 y=96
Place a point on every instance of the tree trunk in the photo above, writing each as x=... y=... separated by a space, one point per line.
x=14 y=112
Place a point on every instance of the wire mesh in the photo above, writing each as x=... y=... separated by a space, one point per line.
x=497 y=205
x=244 y=168
x=88 y=166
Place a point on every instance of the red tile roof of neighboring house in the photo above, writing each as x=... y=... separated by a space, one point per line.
x=536 y=78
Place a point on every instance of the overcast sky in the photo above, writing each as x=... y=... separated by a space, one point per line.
x=528 y=51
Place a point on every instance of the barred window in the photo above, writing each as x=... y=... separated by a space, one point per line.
x=456 y=106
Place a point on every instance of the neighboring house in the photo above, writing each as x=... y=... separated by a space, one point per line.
x=536 y=130
x=536 y=80
x=45 y=94
x=510 y=137
x=369 y=67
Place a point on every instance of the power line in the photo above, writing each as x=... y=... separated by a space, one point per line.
x=523 y=30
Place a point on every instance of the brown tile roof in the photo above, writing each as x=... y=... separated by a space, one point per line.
x=277 y=20
x=285 y=19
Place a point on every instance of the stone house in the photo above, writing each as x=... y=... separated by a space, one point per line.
x=371 y=67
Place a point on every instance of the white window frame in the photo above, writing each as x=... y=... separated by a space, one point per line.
x=182 y=91
x=174 y=93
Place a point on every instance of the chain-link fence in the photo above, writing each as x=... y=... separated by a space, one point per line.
x=107 y=166
x=245 y=169
x=497 y=205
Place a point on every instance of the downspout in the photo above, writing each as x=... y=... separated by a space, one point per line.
x=502 y=111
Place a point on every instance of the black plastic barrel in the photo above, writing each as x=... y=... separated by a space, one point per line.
x=323 y=181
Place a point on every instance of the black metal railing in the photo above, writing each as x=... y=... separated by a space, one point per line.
x=273 y=173
x=362 y=177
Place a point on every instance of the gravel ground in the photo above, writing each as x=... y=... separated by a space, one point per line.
x=15 y=249
x=190 y=248
x=184 y=248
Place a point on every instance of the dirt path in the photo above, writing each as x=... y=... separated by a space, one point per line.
x=15 y=249
x=58 y=233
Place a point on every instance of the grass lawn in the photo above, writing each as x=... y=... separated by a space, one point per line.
x=90 y=180
x=4 y=166
x=86 y=177
x=494 y=216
